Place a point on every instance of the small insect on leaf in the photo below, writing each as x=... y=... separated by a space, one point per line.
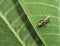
x=44 y=21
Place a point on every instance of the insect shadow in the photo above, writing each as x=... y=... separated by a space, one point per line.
x=28 y=24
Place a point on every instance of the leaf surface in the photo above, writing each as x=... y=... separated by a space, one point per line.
x=37 y=10
x=13 y=29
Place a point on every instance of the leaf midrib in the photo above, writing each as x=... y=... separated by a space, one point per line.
x=30 y=20
x=11 y=28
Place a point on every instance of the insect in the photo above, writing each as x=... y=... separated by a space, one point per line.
x=44 y=21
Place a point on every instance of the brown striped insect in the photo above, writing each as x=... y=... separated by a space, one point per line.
x=44 y=21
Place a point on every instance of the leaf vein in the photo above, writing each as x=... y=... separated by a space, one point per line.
x=17 y=36
x=10 y=9
x=42 y=4
x=17 y=18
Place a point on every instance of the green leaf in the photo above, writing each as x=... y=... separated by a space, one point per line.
x=36 y=10
x=13 y=29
